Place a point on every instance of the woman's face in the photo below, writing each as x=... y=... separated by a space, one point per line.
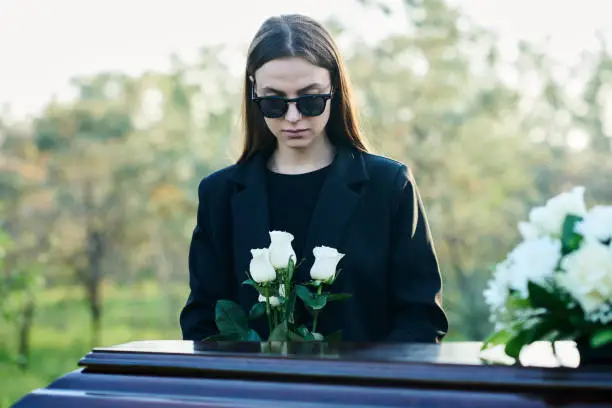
x=290 y=78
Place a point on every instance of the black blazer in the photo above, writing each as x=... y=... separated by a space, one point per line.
x=369 y=208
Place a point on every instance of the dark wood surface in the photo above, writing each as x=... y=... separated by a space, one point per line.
x=178 y=373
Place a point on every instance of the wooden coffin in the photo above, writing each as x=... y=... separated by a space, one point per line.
x=188 y=374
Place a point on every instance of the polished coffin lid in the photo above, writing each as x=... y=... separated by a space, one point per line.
x=185 y=373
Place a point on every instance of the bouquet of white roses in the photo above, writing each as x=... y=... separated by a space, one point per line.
x=271 y=273
x=557 y=283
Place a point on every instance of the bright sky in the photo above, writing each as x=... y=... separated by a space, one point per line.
x=45 y=42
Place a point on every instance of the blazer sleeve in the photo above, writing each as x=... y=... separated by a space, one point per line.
x=207 y=282
x=415 y=280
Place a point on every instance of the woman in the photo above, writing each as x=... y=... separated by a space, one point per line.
x=305 y=169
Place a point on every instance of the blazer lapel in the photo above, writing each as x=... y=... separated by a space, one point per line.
x=337 y=200
x=250 y=213
x=339 y=196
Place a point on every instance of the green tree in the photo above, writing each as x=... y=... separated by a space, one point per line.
x=433 y=97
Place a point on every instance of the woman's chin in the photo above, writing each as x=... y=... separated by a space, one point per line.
x=298 y=142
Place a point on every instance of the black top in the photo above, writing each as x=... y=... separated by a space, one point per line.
x=291 y=201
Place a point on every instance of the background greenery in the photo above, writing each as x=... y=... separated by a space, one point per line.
x=98 y=195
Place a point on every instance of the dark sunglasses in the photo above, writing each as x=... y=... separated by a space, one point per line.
x=276 y=106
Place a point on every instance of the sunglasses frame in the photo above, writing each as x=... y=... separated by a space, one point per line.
x=258 y=99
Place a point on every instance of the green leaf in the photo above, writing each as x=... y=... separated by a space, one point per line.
x=303 y=331
x=516 y=343
x=338 y=296
x=314 y=283
x=311 y=300
x=289 y=275
x=601 y=338
x=570 y=240
x=290 y=306
x=318 y=302
x=251 y=282
x=567 y=335
x=542 y=298
x=291 y=266
x=515 y=302
x=258 y=286
x=546 y=329
x=230 y=318
x=575 y=319
x=294 y=336
x=303 y=293
x=253 y=336
x=318 y=337
x=499 y=337
x=280 y=332
x=258 y=310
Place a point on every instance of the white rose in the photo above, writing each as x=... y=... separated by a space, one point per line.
x=534 y=260
x=587 y=274
x=325 y=263
x=496 y=293
x=260 y=267
x=528 y=231
x=597 y=223
x=280 y=249
x=274 y=301
x=548 y=220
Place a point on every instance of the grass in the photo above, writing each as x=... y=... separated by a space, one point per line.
x=61 y=332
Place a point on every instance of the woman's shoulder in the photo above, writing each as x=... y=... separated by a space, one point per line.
x=217 y=180
x=383 y=168
x=391 y=177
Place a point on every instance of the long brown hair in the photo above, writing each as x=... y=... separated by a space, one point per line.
x=298 y=36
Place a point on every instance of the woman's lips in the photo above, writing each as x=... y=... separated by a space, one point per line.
x=295 y=132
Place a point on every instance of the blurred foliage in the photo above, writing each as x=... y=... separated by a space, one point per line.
x=137 y=312
x=100 y=192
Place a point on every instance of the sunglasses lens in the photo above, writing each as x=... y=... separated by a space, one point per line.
x=273 y=108
x=311 y=105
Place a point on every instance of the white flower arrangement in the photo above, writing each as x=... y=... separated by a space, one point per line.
x=557 y=283
x=271 y=272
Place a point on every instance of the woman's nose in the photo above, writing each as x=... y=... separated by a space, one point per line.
x=293 y=114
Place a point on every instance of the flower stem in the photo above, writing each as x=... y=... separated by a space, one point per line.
x=267 y=294
x=316 y=312
x=287 y=306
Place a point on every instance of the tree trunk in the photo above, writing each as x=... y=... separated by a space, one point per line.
x=94 y=256
x=25 y=328
x=94 y=253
